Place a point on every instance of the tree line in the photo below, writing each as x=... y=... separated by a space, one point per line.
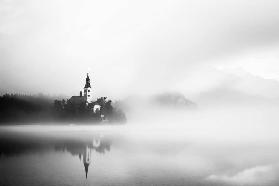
x=16 y=108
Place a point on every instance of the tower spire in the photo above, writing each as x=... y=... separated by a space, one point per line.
x=87 y=83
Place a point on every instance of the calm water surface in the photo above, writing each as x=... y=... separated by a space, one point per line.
x=116 y=156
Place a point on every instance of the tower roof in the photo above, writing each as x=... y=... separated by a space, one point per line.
x=87 y=83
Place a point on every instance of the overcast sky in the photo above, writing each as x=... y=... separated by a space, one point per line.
x=132 y=47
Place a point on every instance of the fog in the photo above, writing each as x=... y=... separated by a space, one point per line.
x=133 y=47
x=227 y=146
x=197 y=80
x=220 y=55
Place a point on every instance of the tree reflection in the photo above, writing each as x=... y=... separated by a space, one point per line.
x=82 y=148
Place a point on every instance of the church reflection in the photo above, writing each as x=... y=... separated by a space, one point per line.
x=81 y=148
x=84 y=149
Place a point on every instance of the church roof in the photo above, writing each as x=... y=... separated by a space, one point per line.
x=77 y=100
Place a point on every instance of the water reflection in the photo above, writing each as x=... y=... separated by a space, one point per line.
x=74 y=157
x=81 y=148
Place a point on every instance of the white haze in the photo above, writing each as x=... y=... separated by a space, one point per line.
x=134 y=47
x=221 y=54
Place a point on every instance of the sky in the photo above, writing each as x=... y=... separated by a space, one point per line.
x=139 y=47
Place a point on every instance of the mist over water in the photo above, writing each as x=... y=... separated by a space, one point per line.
x=215 y=121
x=218 y=145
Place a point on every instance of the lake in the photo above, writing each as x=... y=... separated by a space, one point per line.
x=125 y=155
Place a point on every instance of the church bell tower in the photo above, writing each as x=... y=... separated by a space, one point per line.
x=87 y=90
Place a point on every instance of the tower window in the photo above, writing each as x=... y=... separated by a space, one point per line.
x=88 y=90
x=88 y=95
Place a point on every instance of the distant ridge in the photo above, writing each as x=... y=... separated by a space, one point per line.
x=172 y=99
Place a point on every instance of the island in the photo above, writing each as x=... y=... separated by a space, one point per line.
x=17 y=108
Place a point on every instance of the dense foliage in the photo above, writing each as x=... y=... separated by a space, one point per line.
x=83 y=111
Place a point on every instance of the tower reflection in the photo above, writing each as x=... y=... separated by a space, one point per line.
x=86 y=160
x=84 y=149
x=96 y=144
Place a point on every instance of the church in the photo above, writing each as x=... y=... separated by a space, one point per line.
x=85 y=106
x=85 y=96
